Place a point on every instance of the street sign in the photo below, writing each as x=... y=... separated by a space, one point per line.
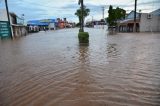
x=5 y=30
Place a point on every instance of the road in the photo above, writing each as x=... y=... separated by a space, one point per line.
x=52 y=69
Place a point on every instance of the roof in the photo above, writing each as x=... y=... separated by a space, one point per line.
x=156 y=12
x=43 y=22
x=13 y=14
x=16 y=25
x=124 y=22
x=131 y=15
x=130 y=18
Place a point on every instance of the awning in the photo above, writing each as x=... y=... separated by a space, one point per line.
x=129 y=21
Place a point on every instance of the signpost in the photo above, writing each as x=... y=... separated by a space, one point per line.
x=5 y=30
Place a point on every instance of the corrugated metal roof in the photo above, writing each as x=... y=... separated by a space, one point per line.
x=43 y=22
x=156 y=12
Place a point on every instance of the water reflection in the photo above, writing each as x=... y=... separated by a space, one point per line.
x=79 y=95
x=111 y=50
x=83 y=54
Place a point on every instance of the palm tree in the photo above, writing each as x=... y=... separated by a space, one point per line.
x=79 y=14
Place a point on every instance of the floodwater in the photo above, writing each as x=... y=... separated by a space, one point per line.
x=52 y=69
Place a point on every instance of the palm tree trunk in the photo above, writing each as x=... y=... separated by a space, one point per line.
x=82 y=20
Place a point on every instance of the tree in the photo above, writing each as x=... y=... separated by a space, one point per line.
x=111 y=16
x=114 y=15
x=78 y=13
x=120 y=13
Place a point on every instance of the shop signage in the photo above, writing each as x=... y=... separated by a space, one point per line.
x=5 y=30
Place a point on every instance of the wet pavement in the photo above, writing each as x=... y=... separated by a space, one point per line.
x=52 y=69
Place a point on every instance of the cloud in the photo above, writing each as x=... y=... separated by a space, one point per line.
x=40 y=9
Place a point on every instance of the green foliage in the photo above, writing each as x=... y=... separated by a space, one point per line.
x=119 y=13
x=83 y=37
x=114 y=15
x=78 y=25
x=78 y=13
x=111 y=16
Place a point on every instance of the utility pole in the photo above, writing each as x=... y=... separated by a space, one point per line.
x=6 y=3
x=135 y=9
x=22 y=17
x=103 y=16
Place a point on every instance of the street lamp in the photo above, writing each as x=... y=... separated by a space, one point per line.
x=22 y=16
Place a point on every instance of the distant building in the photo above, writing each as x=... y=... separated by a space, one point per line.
x=145 y=22
x=40 y=25
x=96 y=23
x=49 y=24
x=61 y=23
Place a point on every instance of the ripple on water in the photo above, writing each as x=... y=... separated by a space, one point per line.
x=119 y=70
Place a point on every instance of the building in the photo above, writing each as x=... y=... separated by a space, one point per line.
x=127 y=24
x=145 y=22
x=96 y=23
x=40 y=25
x=49 y=24
x=17 y=24
x=150 y=22
x=18 y=27
x=62 y=23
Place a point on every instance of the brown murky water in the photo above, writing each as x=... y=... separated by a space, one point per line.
x=51 y=69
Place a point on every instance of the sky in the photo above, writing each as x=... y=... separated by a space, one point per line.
x=46 y=9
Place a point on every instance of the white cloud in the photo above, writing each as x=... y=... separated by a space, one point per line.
x=39 y=9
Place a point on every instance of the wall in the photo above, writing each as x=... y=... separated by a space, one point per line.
x=149 y=25
x=19 y=31
x=52 y=26
x=3 y=15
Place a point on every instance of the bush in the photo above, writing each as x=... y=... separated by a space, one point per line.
x=83 y=37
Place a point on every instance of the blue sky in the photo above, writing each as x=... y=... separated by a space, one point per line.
x=43 y=9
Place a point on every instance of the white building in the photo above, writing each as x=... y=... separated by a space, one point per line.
x=145 y=22
x=150 y=21
x=52 y=26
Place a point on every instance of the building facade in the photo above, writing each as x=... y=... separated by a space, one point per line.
x=17 y=27
x=40 y=25
x=150 y=22
x=145 y=22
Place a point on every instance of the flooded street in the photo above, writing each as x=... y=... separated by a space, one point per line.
x=52 y=69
